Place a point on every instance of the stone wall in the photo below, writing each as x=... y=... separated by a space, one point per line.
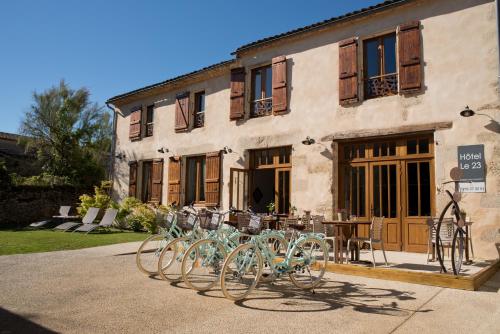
x=23 y=205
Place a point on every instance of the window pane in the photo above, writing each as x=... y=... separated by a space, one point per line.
x=390 y=53
x=191 y=181
x=383 y=149
x=202 y=179
x=361 y=151
x=393 y=191
x=412 y=189
x=425 y=189
x=411 y=147
x=392 y=148
x=269 y=81
x=361 y=212
x=354 y=182
x=201 y=102
x=376 y=150
x=372 y=67
x=385 y=191
x=257 y=87
x=149 y=116
x=423 y=145
x=376 y=191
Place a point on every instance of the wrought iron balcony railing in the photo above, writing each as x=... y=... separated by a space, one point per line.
x=383 y=85
x=262 y=107
x=199 y=120
x=149 y=129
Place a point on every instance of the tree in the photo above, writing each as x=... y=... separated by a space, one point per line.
x=70 y=134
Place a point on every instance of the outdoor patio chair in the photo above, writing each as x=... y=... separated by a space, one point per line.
x=106 y=221
x=375 y=237
x=89 y=218
x=63 y=213
x=445 y=234
x=308 y=223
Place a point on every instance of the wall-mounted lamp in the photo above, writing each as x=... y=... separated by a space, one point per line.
x=163 y=150
x=120 y=156
x=308 y=141
x=227 y=150
x=467 y=112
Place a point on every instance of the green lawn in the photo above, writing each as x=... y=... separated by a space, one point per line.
x=25 y=241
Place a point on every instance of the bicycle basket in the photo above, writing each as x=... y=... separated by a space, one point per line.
x=214 y=221
x=186 y=222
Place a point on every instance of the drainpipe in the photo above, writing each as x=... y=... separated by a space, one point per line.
x=112 y=149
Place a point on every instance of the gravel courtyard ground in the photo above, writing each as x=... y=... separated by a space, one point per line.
x=99 y=290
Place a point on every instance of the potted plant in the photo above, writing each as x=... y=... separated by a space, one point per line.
x=270 y=207
x=293 y=209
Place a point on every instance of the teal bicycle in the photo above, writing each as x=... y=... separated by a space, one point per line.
x=149 y=251
x=304 y=262
x=203 y=260
x=170 y=259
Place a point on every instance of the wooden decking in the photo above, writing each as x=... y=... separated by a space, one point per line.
x=470 y=282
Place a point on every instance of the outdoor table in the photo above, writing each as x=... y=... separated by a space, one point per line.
x=338 y=229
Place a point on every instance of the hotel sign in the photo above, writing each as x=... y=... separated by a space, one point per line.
x=471 y=166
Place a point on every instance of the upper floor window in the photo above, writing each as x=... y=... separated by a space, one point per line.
x=199 y=110
x=262 y=98
x=195 y=185
x=149 y=120
x=380 y=66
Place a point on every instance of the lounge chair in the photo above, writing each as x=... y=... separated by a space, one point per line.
x=106 y=221
x=89 y=217
x=63 y=213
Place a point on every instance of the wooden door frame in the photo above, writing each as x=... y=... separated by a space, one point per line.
x=399 y=218
x=405 y=219
x=276 y=186
x=231 y=189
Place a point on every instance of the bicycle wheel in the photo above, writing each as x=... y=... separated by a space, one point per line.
x=311 y=257
x=241 y=272
x=149 y=252
x=278 y=246
x=169 y=263
x=457 y=250
x=202 y=264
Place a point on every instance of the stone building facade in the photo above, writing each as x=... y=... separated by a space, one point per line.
x=357 y=113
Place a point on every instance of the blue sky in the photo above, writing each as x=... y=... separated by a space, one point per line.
x=112 y=47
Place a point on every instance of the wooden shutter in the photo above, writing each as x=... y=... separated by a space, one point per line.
x=174 y=181
x=132 y=181
x=213 y=179
x=135 y=124
x=237 y=104
x=157 y=181
x=410 y=62
x=182 y=112
x=279 y=85
x=348 y=71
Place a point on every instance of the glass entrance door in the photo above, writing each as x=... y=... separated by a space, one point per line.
x=385 y=200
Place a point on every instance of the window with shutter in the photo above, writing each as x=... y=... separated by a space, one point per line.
x=213 y=179
x=174 y=181
x=262 y=91
x=348 y=71
x=157 y=181
x=380 y=75
x=132 y=183
x=135 y=124
x=237 y=103
x=279 y=85
x=149 y=120
x=410 y=62
x=182 y=112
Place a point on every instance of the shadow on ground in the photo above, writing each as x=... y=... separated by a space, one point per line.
x=11 y=323
x=331 y=295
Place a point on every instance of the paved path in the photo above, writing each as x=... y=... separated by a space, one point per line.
x=97 y=290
